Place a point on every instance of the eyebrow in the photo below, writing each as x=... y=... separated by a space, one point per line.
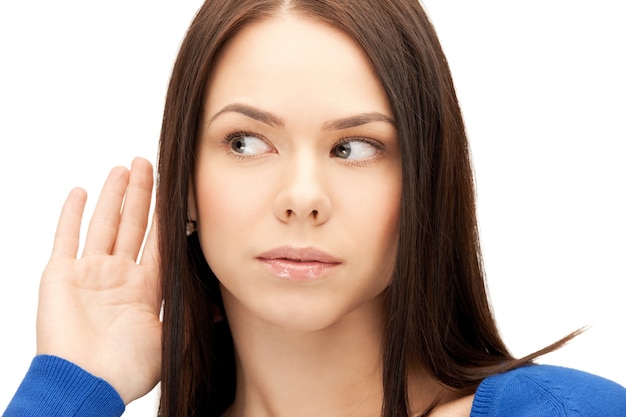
x=274 y=120
x=357 y=120
x=251 y=112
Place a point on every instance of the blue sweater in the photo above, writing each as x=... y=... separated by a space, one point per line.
x=55 y=387
x=543 y=390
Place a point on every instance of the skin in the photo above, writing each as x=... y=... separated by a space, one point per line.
x=304 y=346
x=100 y=310
x=291 y=189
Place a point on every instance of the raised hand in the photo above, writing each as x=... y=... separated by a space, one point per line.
x=101 y=311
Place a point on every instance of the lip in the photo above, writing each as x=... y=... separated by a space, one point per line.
x=298 y=264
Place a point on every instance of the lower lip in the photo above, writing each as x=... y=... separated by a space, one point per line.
x=298 y=271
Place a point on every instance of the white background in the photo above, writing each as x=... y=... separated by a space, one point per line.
x=541 y=84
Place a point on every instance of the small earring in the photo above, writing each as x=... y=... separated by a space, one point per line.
x=190 y=228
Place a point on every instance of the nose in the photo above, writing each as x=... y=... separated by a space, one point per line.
x=303 y=194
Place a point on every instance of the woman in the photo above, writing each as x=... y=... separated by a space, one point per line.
x=317 y=242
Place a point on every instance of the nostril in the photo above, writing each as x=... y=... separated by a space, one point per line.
x=314 y=212
x=289 y=213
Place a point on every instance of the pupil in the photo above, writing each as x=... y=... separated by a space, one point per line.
x=343 y=150
x=238 y=145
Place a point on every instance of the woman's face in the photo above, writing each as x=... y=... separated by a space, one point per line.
x=298 y=180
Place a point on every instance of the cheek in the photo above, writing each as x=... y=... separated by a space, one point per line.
x=374 y=220
x=387 y=207
x=386 y=221
x=377 y=204
x=228 y=208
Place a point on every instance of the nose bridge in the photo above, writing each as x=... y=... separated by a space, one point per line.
x=303 y=193
x=305 y=168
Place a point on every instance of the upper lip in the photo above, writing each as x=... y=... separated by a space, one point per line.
x=306 y=254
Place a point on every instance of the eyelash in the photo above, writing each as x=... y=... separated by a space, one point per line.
x=229 y=138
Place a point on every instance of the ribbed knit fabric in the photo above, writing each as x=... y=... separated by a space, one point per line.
x=56 y=387
x=548 y=391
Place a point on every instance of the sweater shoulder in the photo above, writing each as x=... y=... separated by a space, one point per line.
x=545 y=390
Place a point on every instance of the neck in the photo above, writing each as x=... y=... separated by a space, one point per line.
x=334 y=371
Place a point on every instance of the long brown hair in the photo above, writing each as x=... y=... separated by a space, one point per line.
x=438 y=313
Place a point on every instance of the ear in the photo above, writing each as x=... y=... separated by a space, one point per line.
x=191 y=203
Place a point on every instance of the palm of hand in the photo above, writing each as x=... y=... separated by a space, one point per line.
x=101 y=311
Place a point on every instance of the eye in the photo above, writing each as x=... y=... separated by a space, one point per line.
x=356 y=149
x=247 y=144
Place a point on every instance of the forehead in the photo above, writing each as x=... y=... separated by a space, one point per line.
x=297 y=59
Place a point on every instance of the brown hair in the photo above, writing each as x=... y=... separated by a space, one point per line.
x=438 y=313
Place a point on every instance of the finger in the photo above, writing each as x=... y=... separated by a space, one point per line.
x=150 y=261
x=134 y=219
x=67 y=236
x=106 y=216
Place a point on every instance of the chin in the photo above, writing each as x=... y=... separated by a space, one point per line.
x=313 y=312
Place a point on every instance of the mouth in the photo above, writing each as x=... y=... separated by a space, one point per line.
x=298 y=264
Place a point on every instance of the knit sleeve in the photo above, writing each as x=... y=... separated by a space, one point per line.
x=542 y=391
x=56 y=387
